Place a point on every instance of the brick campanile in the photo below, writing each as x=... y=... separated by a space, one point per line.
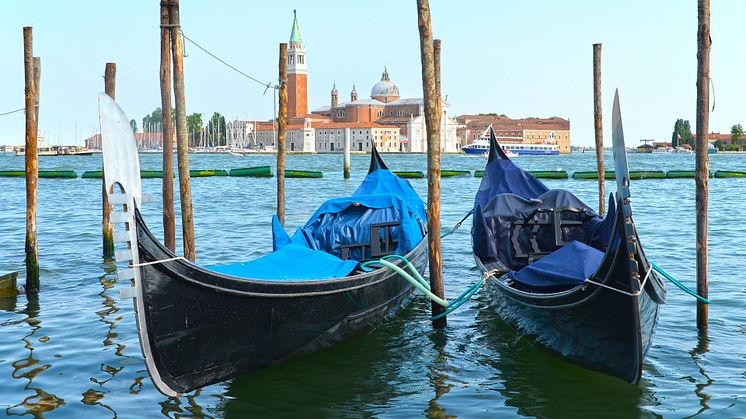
x=297 y=74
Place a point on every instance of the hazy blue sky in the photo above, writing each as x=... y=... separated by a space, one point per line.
x=521 y=58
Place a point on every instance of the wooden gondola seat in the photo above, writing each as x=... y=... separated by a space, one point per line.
x=382 y=242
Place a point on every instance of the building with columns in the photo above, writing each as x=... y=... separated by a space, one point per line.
x=393 y=123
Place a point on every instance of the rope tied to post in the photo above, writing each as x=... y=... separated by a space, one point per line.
x=653 y=267
x=414 y=278
x=458 y=224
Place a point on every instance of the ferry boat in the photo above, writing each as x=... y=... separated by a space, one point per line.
x=482 y=146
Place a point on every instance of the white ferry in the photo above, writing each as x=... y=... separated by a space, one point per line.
x=482 y=146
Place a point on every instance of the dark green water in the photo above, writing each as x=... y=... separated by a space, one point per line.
x=73 y=351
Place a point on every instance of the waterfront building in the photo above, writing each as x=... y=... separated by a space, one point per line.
x=553 y=131
x=393 y=123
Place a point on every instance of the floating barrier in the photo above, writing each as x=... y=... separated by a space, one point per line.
x=144 y=174
x=479 y=173
x=206 y=173
x=592 y=175
x=92 y=174
x=410 y=174
x=728 y=173
x=152 y=174
x=47 y=174
x=57 y=174
x=681 y=174
x=260 y=171
x=452 y=173
x=633 y=175
x=684 y=174
x=549 y=174
x=303 y=174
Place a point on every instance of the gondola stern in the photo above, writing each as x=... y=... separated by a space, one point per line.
x=376 y=162
x=495 y=150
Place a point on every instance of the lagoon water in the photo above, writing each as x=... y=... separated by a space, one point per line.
x=73 y=350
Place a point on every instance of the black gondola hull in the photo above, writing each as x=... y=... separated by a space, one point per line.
x=203 y=327
x=605 y=330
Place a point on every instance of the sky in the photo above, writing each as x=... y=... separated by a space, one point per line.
x=519 y=58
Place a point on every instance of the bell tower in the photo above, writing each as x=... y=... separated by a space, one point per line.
x=297 y=74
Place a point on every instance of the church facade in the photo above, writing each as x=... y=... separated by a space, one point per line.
x=392 y=123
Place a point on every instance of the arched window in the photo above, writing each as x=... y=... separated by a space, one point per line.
x=379 y=114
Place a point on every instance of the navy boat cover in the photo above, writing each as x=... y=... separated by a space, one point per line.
x=513 y=216
x=314 y=251
x=572 y=264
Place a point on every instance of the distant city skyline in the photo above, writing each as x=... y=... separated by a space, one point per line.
x=521 y=59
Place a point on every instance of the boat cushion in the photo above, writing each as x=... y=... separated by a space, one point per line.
x=291 y=262
x=572 y=264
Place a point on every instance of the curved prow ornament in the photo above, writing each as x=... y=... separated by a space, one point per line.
x=124 y=189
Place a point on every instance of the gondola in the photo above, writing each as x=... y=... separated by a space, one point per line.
x=576 y=283
x=200 y=325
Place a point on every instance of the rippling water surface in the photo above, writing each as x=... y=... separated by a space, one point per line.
x=73 y=350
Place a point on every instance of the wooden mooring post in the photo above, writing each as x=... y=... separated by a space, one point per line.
x=107 y=228
x=432 y=121
x=32 y=163
x=282 y=120
x=169 y=219
x=182 y=141
x=347 y=145
x=599 y=128
x=702 y=159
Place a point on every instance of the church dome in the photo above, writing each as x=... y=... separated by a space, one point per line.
x=384 y=90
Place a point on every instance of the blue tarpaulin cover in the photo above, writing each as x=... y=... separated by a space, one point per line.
x=307 y=265
x=572 y=264
x=312 y=253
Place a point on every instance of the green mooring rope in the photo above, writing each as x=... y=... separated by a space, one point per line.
x=679 y=284
x=419 y=282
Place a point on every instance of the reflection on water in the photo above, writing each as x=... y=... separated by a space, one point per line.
x=353 y=379
x=174 y=407
x=88 y=351
x=29 y=368
x=541 y=384
x=438 y=377
x=697 y=353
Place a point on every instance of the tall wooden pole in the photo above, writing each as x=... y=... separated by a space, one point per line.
x=32 y=164
x=599 y=127
x=347 y=145
x=702 y=162
x=436 y=70
x=282 y=120
x=432 y=121
x=169 y=223
x=182 y=142
x=107 y=228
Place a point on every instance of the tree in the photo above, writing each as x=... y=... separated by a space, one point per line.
x=736 y=133
x=133 y=124
x=155 y=119
x=194 y=127
x=682 y=133
x=718 y=144
x=216 y=126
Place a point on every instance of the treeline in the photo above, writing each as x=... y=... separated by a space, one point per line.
x=200 y=134
x=682 y=134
